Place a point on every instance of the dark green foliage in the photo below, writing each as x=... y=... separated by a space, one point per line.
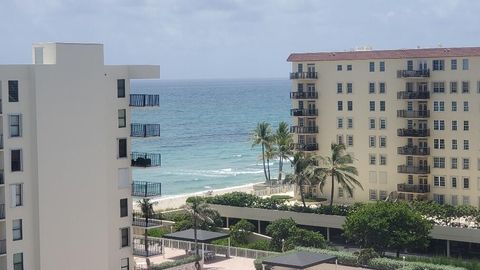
x=365 y=255
x=158 y=232
x=305 y=238
x=280 y=229
x=287 y=230
x=281 y=197
x=240 y=231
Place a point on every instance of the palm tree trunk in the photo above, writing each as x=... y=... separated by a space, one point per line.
x=195 y=234
x=268 y=171
x=280 y=167
x=333 y=189
x=263 y=160
x=146 y=242
x=302 y=196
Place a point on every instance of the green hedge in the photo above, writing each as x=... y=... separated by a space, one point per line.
x=171 y=264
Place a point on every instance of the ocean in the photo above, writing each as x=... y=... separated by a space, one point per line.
x=205 y=130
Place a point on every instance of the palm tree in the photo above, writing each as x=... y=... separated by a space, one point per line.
x=200 y=212
x=262 y=135
x=270 y=153
x=284 y=146
x=301 y=163
x=339 y=166
x=146 y=206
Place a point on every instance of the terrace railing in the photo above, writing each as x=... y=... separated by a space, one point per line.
x=304 y=129
x=413 y=169
x=146 y=159
x=139 y=220
x=303 y=75
x=306 y=146
x=143 y=100
x=422 y=73
x=413 y=95
x=303 y=112
x=154 y=246
x=413 y=150
x=413 y=114
x=413 y=132
x=146 y=189
x=304 y=95
x=410 y=188
x=145 y=130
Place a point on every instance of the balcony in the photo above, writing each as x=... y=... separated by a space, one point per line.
x=413 y=95
x=146 y=160
x=411 y=132
x=412 y=196
x=3 y=247
x=146 y=189
x=304 y=130
x=413 y=114
x=303 y=95
x=140 y=221
x=413 y=169
x=306 y=147
x=412 y=150
x=143 y=100
x=2 y=211
x=303 y=75
x=153 y=247
x=422 y=73
x=145 y=130
x=303 y=112
x=409 y=188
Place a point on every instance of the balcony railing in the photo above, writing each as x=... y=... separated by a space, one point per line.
x=139 y=220
x=146 y=189
x=422 y=73
x=413 y=150
x=303 y=112
x=413 y=95
x=413 y=188
x=304 y=95
x=145 y=130
x=2 y=211
x=411 y=132
x=153 y=247
x=146 y=159
x=413 y=169
x=413 y=114
x=413 y=197
x=3 y=246
x=299 y=129
x=143 y=100
x=303 y=75
x=306 y=147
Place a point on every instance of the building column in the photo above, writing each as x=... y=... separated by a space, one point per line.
x=328 y=234
x=259 y=226
x=228 y=222
x=448 y=248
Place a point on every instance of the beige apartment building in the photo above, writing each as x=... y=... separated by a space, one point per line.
x=65 y=161
x=409 y=117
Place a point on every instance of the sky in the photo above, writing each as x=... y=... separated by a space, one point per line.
x=205 y=39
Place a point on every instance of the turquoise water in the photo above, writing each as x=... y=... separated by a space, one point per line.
x=205 y=131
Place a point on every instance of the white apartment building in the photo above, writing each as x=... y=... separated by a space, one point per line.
x=65 y=189
x=409 y=117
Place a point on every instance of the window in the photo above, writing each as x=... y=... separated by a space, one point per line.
x=409 y=65
x=383 y=141
x=122 y=148
x=339 y=105
x=465 y=87
x=454 y=124
x=349 y=140
x=453 y=87
x=454 y=162
x=125 y=237
x=383 y=195
x=371 y=88
x=454 y=144
x=439 y=143
x=15 y=125
x=439 y=198
x=465 y=163
x=16 y=160
x=439 y=124
x=18 y=261
x=372 y=141
x=439 y=162
x=339 y=123
x=372 y=123
x=17 y=229
x=350 y=105
x=465 y=64
x=383 y=160
x=438 y=106
x=466 y=200
x=453 y=64
x=349 y=88
x=382 y=105
x=454 y=200
x=339 y=67
x=12 y=91
x=121 y=88
x=349 y=122
x=466 y=183
x=122 y=118
x=339 y=88
x=465 y=106
x=372 y=106
x=454 y=181
x=123 y=207
x=340 y=139
x=465 y=126
x=16 y=191
x=340 y=192
x=349 y=67
x=372 y=159
x=454 y=106
x=383 y=123
x=438 y=65
x=373 y=194
x=439 y=181
x=382 y=66
x=382 y=88
x=439 y=87
x=372 y=66
x=125 y=264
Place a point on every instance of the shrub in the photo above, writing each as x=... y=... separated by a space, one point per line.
x=281 y=197
x=305 y=238
x=158 y=232
x=259 y=245
x=365 y=255
x=241 y=230
x=280 y=229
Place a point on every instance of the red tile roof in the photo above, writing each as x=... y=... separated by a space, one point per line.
x=385 y=54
